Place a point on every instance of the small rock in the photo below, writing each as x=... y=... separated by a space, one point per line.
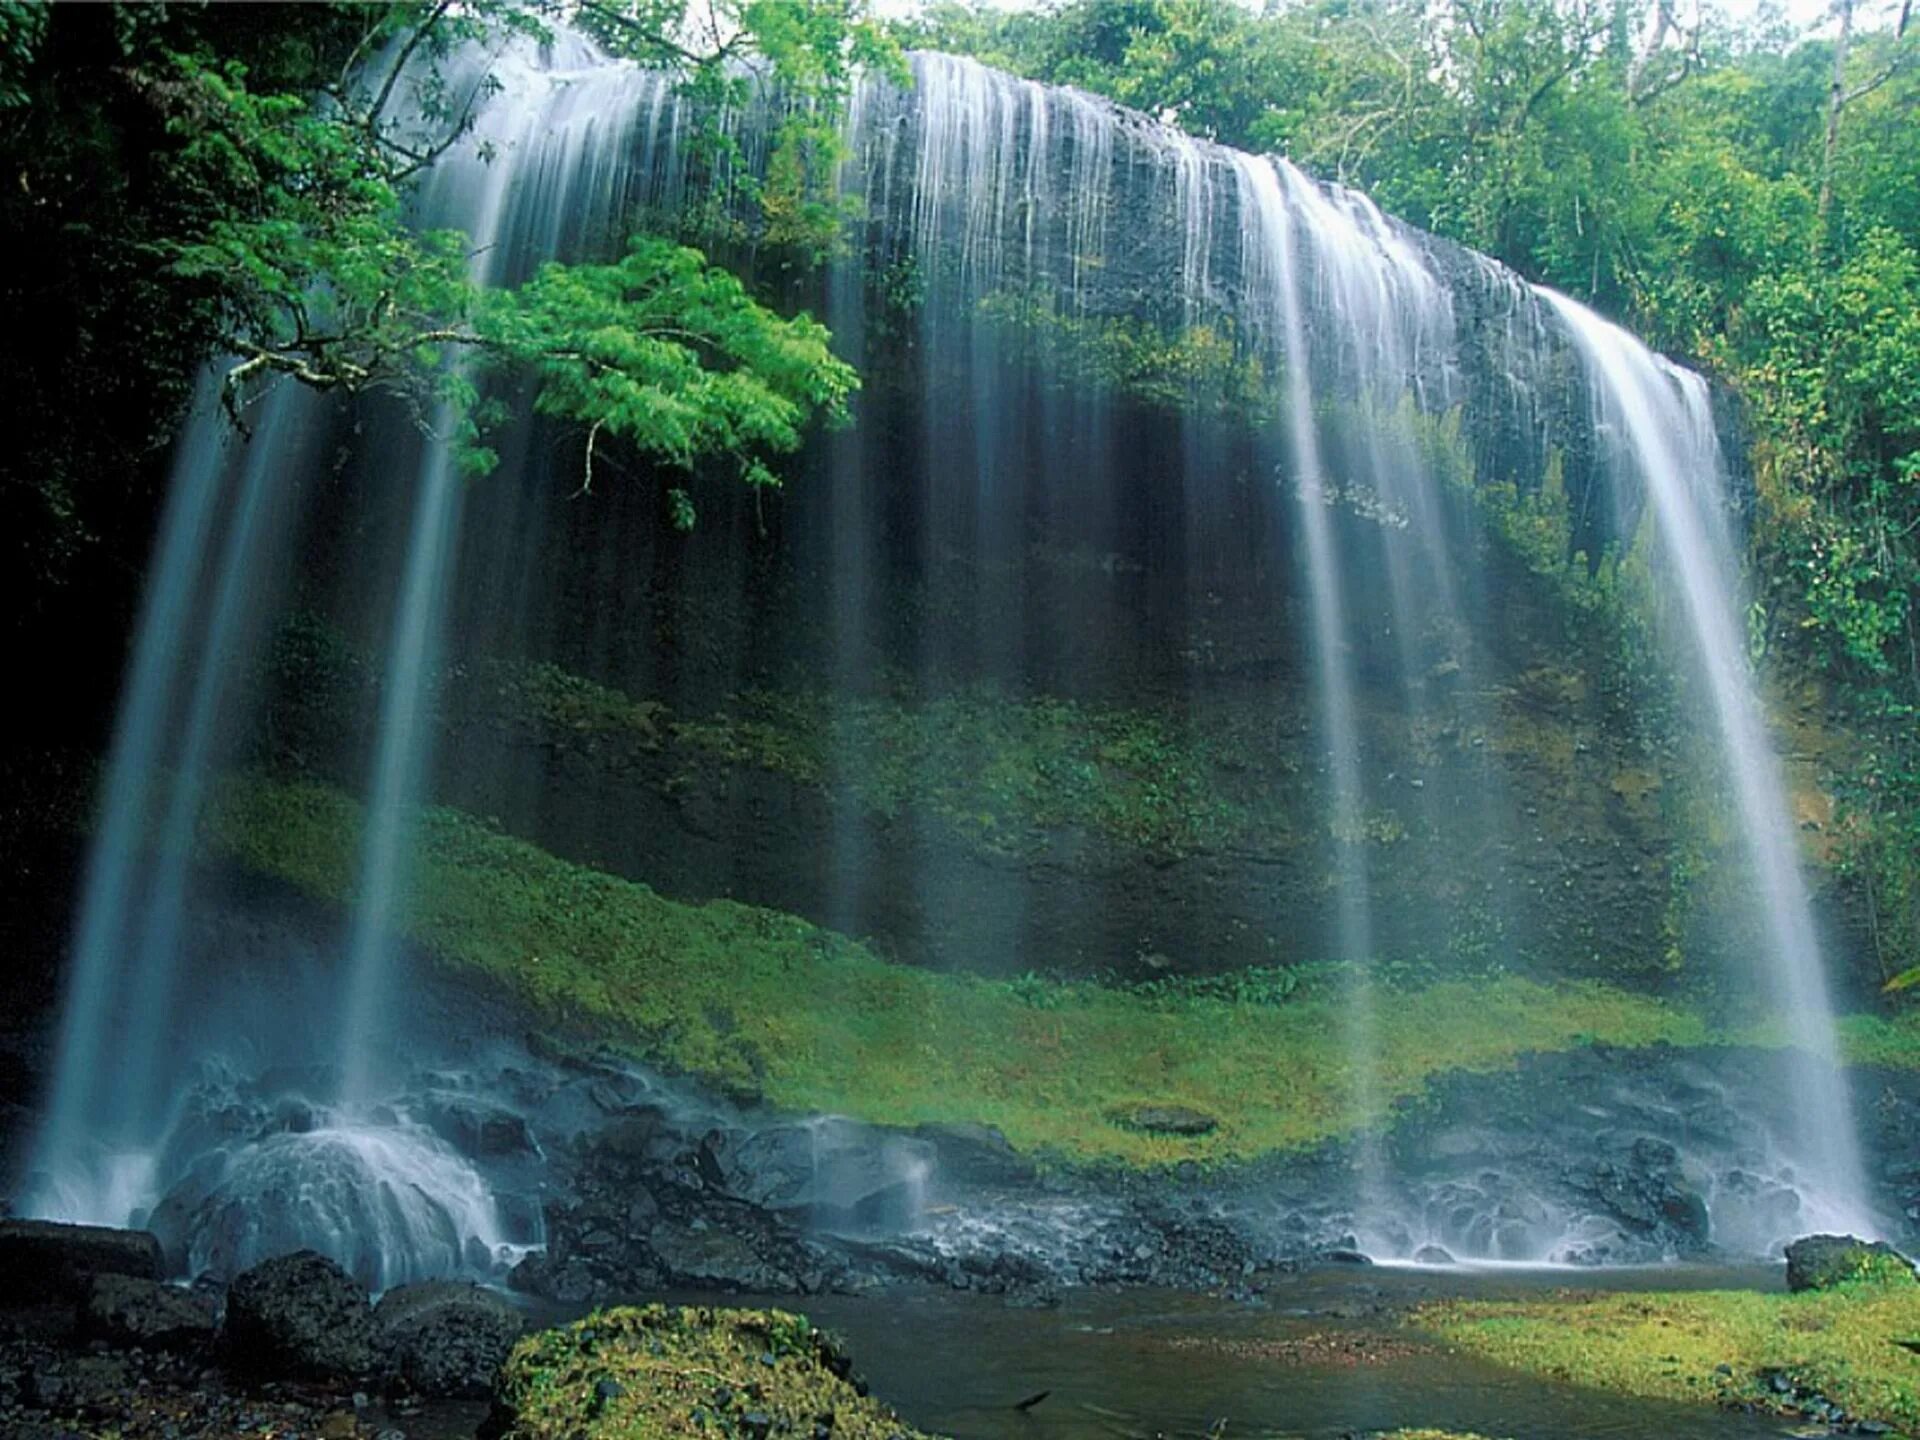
x=1165 y=1120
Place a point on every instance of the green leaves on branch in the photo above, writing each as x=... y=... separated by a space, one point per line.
x=667 y=353
x=22 y=25
x=306 y=255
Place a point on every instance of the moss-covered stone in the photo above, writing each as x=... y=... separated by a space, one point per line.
x=1795 y=1354
x=1827 y=1262
x=680 y=1371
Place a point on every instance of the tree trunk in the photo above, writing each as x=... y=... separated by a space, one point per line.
x=1836 y=102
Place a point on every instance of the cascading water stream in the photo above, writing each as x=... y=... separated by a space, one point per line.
x=1663 y=417
x=1268 y=248
x=470 y=193
x=94 y=1157
x=389 y=1198
x=1010 y=214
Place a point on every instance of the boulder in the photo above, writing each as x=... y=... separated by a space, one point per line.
x=1165 y=1120
x=973 y=1154
x=836 y=1172
x=477 y=1127
x=708 y=1257
x=662 y=1371
x=1820 y=1262
x=300 y=1315
x=127 y=1310
x=444 y=1339
x=46 y=1262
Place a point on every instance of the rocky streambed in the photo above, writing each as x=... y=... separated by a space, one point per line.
x=92 y=1344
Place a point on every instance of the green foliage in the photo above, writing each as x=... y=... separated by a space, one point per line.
x=1879 y=1040
x=324 y=282
x=1193 y=369
x=23 y=24
x=795 y=62
x=667 y=353
x=287 y=147
x=1254 y=985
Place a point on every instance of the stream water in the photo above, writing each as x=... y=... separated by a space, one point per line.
x=1324 y=1354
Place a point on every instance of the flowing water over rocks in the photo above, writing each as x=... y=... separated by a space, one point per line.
x=1297 y=518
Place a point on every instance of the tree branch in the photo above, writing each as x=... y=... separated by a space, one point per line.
x=586 y=478
x=655 y=38
x=372 y=119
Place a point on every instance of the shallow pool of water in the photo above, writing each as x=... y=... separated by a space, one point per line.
x=1322 y=1355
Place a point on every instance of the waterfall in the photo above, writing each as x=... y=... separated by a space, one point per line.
x=1005 y=519
x=212 y=576
x=1664 y=421
x=1268 y=242
x=391 y=1200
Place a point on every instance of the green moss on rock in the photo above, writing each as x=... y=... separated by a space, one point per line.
x=1003 y=772
x=1828 y=1262
x=1724 y=1347
x=680 y=1371
x=761 y=1003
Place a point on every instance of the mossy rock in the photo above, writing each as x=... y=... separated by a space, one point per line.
x=1797 y=1355
x=1164 y=1120
x=676 y=1370
x=1821 y=1262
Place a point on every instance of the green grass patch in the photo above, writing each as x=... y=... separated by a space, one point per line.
x=1718 y=1347
x=1892 y=1041
x=762 y=1002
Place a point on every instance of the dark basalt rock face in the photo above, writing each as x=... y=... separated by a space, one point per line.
x=42 y=1261
x=124 y=1310
x=1124 y=221
x=300 y=1315
x=445 y=1340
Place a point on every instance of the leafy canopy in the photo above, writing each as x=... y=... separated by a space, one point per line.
x=315 y=275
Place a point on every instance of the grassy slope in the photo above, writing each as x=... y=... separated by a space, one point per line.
x=761 y=1001
x=1668 y=1346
